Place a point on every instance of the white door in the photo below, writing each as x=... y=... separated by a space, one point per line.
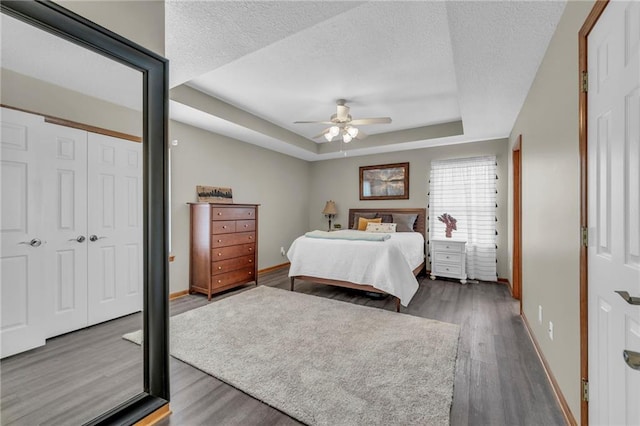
x=64 y=172
x=114 y=227
x=23 y=244
x=614 y=213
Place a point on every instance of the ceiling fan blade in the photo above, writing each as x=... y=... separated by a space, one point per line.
x=324 y=132
x=377 y=120
x=313 y=122
x=361 y=134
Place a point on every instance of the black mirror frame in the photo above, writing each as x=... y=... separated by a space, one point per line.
x=68 y=25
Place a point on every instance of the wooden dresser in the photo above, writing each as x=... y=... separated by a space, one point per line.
x=224 y=246
x=448 y=259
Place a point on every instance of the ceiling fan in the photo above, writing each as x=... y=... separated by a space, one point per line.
x=342 y=124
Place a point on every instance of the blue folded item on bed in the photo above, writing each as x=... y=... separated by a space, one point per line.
x=348 y=235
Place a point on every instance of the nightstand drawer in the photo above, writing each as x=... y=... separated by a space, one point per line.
x=448 y=257
x=452 y=246
x=447 y=270
x=232 y=213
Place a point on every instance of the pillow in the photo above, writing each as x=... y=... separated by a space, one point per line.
x=381 y=227
x=363 y=222
x=386 y=218
x=357 y=216
x=405 y=222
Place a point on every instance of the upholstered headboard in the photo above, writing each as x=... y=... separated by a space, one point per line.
x=418 y=226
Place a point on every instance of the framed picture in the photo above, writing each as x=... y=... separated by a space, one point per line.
x=385 y=182
x=214 y=194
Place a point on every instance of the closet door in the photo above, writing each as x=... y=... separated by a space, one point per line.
x=64 y=172
x=22 y=257
x=114 y=227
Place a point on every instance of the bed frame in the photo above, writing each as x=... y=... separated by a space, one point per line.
x=419 y=226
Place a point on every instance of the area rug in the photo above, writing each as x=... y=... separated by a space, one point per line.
x=322 y=361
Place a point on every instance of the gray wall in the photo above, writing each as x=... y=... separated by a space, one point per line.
x=338 y=180
x=21 y=91
x=279 y=183
x=548 y=123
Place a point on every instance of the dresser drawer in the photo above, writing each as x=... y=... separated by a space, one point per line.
x=451 y=246
x=234 y=277
x=232 y=213
x=223 y=227
x=224 y=266
x=222 y=253
x=245 y=225
x=447 y=270
x=224 y=240
x=448 y=257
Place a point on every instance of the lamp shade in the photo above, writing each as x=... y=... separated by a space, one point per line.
x=330 y=208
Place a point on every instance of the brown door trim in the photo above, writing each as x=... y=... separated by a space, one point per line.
x=588 y=25
x=517 y=221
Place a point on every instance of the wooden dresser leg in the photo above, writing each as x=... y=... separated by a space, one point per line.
x=292 y=281
x=397 y=304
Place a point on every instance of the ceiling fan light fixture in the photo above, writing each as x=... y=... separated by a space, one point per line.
x=328 y=136
x=347 y=137
x=352 y=131
x=334 y=131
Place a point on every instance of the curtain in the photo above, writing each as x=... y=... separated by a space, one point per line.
x=466 y=189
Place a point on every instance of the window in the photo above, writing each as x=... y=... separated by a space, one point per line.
x=466 y=189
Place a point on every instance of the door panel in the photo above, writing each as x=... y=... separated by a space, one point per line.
x=115 y=219
x=21 y=272
x=64 y=170
x=614 y=213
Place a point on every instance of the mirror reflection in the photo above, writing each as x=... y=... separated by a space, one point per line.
x=71 y=226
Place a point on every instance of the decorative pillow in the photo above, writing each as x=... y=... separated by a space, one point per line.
x=381 y=227
x=405 y=221
x=357 y=216
x=363 y=222
x=386 y=218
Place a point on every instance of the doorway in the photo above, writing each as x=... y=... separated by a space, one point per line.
x=517 y=221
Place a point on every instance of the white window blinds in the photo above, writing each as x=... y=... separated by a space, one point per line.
x=466 y=189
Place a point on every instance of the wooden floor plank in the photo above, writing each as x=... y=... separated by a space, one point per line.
x=499 y=380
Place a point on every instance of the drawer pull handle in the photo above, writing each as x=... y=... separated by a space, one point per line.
x=250 y=213
x=219 y=267
x=219 y=281
x=447 y=257
x=219 y=241
x=224 y=226
x=250 y=260
x=447 y=246
x=219 y=213
x=250 y=273
x=251 y=237
x=250 y=248
x=246 y=226
x=447 y=269
x=219 y=254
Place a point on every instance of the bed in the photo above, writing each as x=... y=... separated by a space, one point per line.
x=388 y=267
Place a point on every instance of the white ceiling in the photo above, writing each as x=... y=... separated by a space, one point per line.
x=421 y=63
x=445 y=72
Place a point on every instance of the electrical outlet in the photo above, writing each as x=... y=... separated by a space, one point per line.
x=282 y=252
x=539 y=314
x=550 y=330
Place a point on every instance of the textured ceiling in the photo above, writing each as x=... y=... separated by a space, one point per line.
x=469 y=64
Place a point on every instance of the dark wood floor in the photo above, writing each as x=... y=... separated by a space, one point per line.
x=499 y=380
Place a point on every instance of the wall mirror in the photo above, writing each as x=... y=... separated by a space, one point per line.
x=84 y=257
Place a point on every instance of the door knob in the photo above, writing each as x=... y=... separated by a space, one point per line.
x=94 y=238
x=33 y=243
x=632 y=359
x=629 y=299
x=80 y=239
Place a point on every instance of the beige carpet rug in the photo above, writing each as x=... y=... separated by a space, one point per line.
x=322 y=361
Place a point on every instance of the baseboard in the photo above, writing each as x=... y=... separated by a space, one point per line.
x=155 y=417
x=178 y=294
x=566 y=411
x=274 y=268
x=507 y=283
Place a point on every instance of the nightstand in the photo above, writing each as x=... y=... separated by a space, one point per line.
x=448 y=259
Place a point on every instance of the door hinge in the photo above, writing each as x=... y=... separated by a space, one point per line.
x=585 y=81
x=585 y=390
x=585 y=236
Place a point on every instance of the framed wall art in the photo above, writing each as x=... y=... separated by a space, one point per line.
x=385 y=182
x=214 y=194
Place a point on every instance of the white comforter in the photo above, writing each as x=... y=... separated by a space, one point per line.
x=386 y=265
